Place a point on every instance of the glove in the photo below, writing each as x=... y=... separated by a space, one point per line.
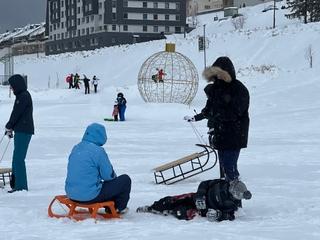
x=201 y=203
x=213 y=215
x=9 y=133
x=189 y=119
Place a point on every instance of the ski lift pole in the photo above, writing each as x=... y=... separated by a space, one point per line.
x=204 y=46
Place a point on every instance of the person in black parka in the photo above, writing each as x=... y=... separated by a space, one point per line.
x=21 y=123
x=86 y=84
x=227 y=113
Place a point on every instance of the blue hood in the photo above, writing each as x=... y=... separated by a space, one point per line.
x=95 y=133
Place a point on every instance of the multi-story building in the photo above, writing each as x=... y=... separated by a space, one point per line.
x=74 y=25
x=195 y=7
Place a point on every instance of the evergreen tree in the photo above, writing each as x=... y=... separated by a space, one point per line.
x=308 y=10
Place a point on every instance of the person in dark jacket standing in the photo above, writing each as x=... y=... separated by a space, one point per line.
x=122 y=105
x=86 y=84
x=21 y=123
x=227 y=113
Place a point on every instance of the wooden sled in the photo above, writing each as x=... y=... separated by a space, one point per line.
x=5 y=173
x=195 y=163
x=86 y=209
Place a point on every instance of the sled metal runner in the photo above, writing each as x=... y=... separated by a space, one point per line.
x=5 y=173
x=187 y=166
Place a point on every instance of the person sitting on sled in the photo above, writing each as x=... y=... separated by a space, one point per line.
x=214 y=199
x=90 y=174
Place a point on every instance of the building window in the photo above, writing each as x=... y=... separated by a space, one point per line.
x=83 y=31
x=92 y=29
x=79 y=10
x=167 y=29
x=51 y=28
x=83 y=20
x=155 y=16
x=62 y=24
x=87 y=19
x=144 y=4
x=114 y=27
x=166 y=5
x=145 y=16
x=92 y=18
x=178 y=29
x=100 y=28
x=100 y=5
x=79 y=33
x=100 y=17
x=167 y=17
x=62 y=14
x=114 y=4
x=155 y=29
x=178 y=6
x=87 y=30
x=177 y=17
x=79 y=21
x=144 y=28
x=54 y=27
x=125 y=27
x=125 y=16
x=106 y=27
x=155 y=5
x=62 y=3
x=125 y=3
x=114 y=16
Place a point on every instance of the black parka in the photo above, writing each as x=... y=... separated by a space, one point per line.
x=21 y=119
x=226 y=108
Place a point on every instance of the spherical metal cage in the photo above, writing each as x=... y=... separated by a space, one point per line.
x=179 y=83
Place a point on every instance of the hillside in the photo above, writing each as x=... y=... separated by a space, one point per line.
x=280 y=165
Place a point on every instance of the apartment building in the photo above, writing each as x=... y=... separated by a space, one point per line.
x=74 y=25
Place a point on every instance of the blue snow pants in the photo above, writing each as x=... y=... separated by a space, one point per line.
x=21 y=144
x=117 y=190
x=122 y=110
x=228 y=160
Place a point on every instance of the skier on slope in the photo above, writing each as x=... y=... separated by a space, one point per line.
x=227 y=113
x=214 y=199
x=86 y=84
x=95 y=83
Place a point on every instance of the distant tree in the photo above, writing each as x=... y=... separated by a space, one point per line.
x=308 y=10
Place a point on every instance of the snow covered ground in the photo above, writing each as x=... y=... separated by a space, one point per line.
x=281 y=165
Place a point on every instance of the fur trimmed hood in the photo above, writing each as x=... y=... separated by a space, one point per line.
x=222 y=69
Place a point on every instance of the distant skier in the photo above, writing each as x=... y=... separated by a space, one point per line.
x=122 y=105
x=214 y=199
x=69 y=80
x=95 y=83
x=86 y=84
x=21 y=123
x=76 y=81
x=90 y=174
x=115 y=112
x=227 y=113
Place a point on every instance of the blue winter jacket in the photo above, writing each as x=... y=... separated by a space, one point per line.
x=88 y=165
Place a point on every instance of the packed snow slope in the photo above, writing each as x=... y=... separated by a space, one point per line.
x=280 y=166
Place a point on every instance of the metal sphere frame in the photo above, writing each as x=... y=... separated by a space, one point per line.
x=180 y=82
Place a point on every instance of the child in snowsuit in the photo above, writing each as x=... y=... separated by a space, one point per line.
x=122 y=105
x=90 y=174
x=214 y=200
x=115 y=112
x=86 y=84
x=95 y=83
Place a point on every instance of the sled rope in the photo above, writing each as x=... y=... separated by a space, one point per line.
x=2 y=139
x=198 y=134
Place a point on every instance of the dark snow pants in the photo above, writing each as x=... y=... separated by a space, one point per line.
x=87 y=89
x=95 y=88
x=228 y=160
x=19 y=172
x=117 y=190
x=122 y=110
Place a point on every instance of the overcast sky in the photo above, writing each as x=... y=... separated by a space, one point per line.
x=18 y=13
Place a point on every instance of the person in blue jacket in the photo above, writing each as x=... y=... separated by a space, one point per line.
x=90 y=174
x=122 y=105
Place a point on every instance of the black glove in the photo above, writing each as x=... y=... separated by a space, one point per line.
x=9 y=133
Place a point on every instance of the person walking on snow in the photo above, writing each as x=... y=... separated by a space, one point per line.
x=95 y=83
x=21 y=123
x=86 y=84
x=227 y=113
x=122 y=105
x=69 y=80
x=76 y=81
x=90 y=174
x=115 y=112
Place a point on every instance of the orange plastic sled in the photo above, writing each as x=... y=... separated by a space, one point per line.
x=73 y=213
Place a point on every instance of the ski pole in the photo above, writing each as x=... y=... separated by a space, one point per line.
x=5 y=150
